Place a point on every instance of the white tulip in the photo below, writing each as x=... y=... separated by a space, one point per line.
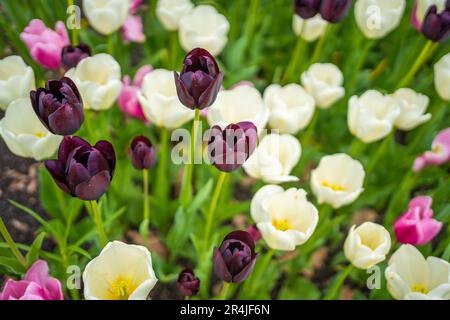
x=442 y=77
x=241 y=103
x=337 y=180
x=106 y=16
x=309 y=29
x=324 y=82
x=16 y=80
x=274 y=158
x=170 y=12
x=286 y=219
x=24 y=134
x=367 y=245
x=121 y=272
x=204 y=27
x=377 y=18
x=159 y=100
x=424 y=5
x=413 y=105
x=371 y=117
x=410 y=277
x=98 y=80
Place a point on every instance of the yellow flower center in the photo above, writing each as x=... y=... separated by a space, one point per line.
x=419 y=288
x=281 y=224
x=332 y=186
x=121 y=289
x=437 y=149
x=39 y=134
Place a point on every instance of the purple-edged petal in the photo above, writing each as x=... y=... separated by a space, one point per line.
x=241 y=276
x=242 y=236
x=182 y=92
x=68 y=144
x=108 y=152
x=65 y=120
x=220 y=267
x=93 y=188
x=208 y=97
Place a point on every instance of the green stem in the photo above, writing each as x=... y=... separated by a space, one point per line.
x=306 y=139
x=74 y=31
x=12 y=245
x=358 y=66
x=319 y=45
x=174 y=49
x=334 y=290
x=111 y=44
x=401 y=193
x=261 y=268
x=162 y=190
x=99 y=223
x=356 y=147
x=213 y=205
x=300 y=47
x=251 y=21
x=89 y=115
x=224 y=291
x=378 y=155
x=146 y=203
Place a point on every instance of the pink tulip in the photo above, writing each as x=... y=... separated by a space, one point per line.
x=44 y=44
x=37 y=285
x=134 y=6
x=417 y=226
x=132 y=30
x=128 y=101
x=439 y=154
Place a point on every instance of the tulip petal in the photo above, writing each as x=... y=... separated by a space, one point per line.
x=93 y=188
x=220 y=268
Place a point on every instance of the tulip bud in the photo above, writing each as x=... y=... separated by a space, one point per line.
x=306 y=8
x=188 y=283
x=235 y=258
x=82 y=170
x=229 y=148
x=436 y=26
x=199 y=81
x=70 y=55
x=59 y=106
x=334 y=10
x=142 y=153
x=254 y=232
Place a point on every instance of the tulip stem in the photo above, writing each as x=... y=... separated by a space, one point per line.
x=12 y=245
x=319 y=45
x=99 y=223
x=299 y=50
x=340 y=278
x=74 y=31
x=162 y=190
x=146 y=219
x=257 y=274
x=378 y=155
x=224 y=291
x=306 y=139
x=251 y=21
x=213 y=205
x=110 y=44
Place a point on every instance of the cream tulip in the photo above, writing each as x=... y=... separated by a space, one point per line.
x=274 y=158
x=371 y=116
x=241 y=103
x=291 y=107
x=204 y=27
x=16 y=80
x=377 y=18
x=121 y=272
x=367 y=245
x=337 y=180
x=413 y=106
x=98 y=80
x=24 y=134
x=170 y=12
x=159 y=100
x=410 y=277
x=309 y=29
x=285 y=218
x=106 y=16
x=324 y=82
x=442 y=77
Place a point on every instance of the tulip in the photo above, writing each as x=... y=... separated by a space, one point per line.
x=410 y=277
x=420 y=10
x=24 y=134
x=291 y=107
x=71 y=56
x=334 y=10
x=367 y=245
x=204 y=27
x=306 y=8
x=16 y=80
x=377 y=18
x=285 y=218
x=159 y=100
x=324 y=82
x=436 y=26
x=235 y=258
x=98 y=80
x=199 y=81
x=44 y=44
x=132 y=30
x=412 y=108
x=170 y=12
x=142 y=153
x=442 y=77
x=417 y=226
x=338 y=180
x=106 y=17
x=439 y=154
x=274 y=159
x=82 y=170
x=134 y=6
x=120 y=272
x=36 y=285
x=59 y=106
x=309 y=29
x=371 y=117
x=254 y=232
x=188 y=284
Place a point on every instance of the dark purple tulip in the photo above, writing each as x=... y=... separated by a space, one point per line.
x=199 y=81
x=59 y=106
x=235 y=258
x=70 y=55
x=142 y=153
x=306 y=8
x=334 y=10
x=188 y=283
x=436 y=26
x=229 y=148
x=82 y=170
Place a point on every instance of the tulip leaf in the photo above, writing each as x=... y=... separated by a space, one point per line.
x=12 y=265
x=33 y=253
x=298 y=288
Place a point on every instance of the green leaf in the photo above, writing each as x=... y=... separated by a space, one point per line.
x=299 y=288
x=12 y=264
x=35 y=215
x=35 y=248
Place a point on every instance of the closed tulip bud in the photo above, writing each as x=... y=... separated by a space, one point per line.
x=235 y=258
x=82 y=170
x=142 y=153
x=436 y=26
x=254 y=232
x=188 y=283
x=70 y=55
x=199 y=81
x=59 y=106
x=334 y=10
x=306 y=8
